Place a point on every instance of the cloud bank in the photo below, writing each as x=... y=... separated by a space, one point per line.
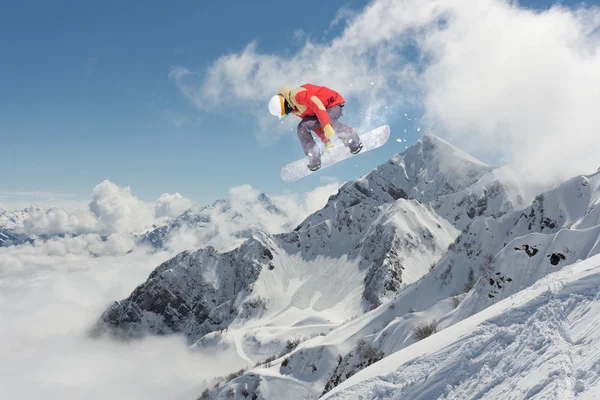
x=171 y=205
x=299 y=206
x=52 y=291
x=513 y=85
x=248 y=210
x=118 y=210
x=48 y=302
x=109 y=222
x=111 y=210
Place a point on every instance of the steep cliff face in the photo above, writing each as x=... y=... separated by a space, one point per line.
x=193 y=293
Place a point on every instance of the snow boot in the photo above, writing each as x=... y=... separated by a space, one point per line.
x=354 y=147
x=314 y=164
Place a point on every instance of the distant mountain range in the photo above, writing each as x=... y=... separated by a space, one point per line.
x=224 y=224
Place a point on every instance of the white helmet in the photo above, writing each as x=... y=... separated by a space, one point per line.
x=277 y=106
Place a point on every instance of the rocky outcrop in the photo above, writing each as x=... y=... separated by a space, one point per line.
x=193 y=294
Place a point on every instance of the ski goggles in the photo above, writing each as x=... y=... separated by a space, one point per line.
x=282 y=102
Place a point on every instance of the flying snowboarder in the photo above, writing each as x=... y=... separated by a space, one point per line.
x=320 y=108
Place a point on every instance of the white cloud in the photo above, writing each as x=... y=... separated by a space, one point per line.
x=181 y=77
x=300 y=206
x=89 y=244
x=118 y=210
x=49 y=301
x=111 y=209
x=342 y=16
x=57 y=220
x=317 y=198
x=497 y=79
x=296 y=207
x=247 y=211
x=107 y=224
x=171 y=205
x=516 y=84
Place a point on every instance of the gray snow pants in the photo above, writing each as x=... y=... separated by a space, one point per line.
x=346 y=133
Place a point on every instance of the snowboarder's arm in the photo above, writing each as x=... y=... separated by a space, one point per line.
x=314 y=104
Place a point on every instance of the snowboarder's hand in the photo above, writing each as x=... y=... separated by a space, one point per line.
x=328 y=130
x=329 y=145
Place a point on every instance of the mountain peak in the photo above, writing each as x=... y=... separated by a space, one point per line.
x=431 y=146
x=430 y=168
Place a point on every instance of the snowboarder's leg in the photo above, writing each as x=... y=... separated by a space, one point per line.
x=309 y=146
x=346 y=133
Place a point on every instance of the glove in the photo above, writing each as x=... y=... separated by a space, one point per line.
x=328 y=130
x=329 y=145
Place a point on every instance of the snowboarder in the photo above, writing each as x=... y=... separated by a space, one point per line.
x=320 y=108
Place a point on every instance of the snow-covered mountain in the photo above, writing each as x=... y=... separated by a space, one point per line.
x=432 y=171
x=431 y=239
x=11 y=225
x=224 y=225
x=543 y=342
x=13 y=219
x=353 y=262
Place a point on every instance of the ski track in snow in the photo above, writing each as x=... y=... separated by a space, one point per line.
x=542 y=343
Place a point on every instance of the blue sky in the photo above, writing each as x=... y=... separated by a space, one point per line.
x=86 y=96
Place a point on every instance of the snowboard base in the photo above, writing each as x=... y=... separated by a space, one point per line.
x=370 y=140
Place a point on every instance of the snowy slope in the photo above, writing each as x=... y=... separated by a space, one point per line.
x=518 y=265
x=473 y=254
x=493 y=250
x=223 y=225
x=540 y=343
x=537 y=342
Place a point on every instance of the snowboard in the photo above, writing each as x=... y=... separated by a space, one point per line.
x=370 y=140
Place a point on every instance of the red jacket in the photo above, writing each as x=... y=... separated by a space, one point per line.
x=311 y=100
